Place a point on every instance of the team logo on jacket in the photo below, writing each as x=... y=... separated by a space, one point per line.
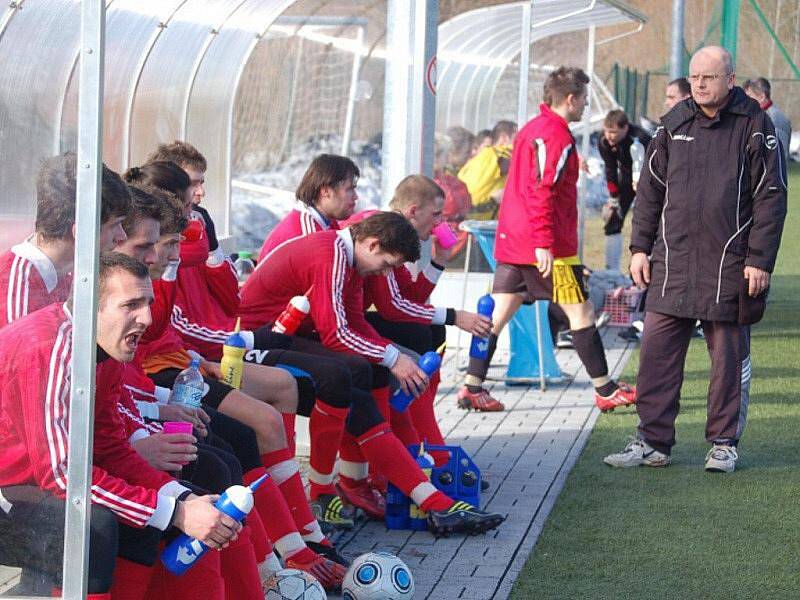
x=683 y=138
x=771 y=142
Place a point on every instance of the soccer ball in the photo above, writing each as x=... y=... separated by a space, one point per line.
x=378 y=576
x=293 y=584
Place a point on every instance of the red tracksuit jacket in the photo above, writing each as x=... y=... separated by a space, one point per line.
x=301 y=221
x=206 y=297
x=28 y=282
x=539 y=208
x=323 y=260
x=35 y=366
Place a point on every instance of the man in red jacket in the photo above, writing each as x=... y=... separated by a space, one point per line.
x=537 y=237
x=38 y=271
x=332 y=264
x=35 y=359
x=326 y=195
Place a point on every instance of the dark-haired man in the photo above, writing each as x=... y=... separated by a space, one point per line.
x=760 y=90
x=326 y=194
x=38 y=271
x=676 y=90
x=35 y=359
x=331 y=264
x=537 y=238
x=615 y=146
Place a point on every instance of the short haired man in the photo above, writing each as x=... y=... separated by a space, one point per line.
x=615 y=145
x=537 y=237
x=760 y=90
x=676 y=91
x=34 y=393
x=38 y=272
x=326 y=195
x=705 y=251
x=485 y=173
x=142 y=227
x=331 y=264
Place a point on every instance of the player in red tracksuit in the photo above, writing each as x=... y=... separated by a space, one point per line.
x=326 y=195
x=206 y=304
x=537 y=237
x=38 y=271
x=35 y=359
x=334 y=262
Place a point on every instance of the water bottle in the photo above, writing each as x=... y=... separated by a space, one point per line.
x=428 y=362
x=479 y=348
x=293 y=315
x=244 y=266
x=183 y=552
x=189 y=386
x=419 y=518
x=232 y=362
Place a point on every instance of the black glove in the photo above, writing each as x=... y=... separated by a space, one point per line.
x=211 y=231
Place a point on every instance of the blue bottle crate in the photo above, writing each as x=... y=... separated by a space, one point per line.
x=459 y=478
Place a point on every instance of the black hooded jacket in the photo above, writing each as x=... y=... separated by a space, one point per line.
x=711 y=200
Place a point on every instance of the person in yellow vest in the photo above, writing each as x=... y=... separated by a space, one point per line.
x=485 y=173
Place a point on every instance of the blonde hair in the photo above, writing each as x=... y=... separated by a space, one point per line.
x=415 y=189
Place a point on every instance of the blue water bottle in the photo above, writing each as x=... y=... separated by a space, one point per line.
x=183 y=552
x=479 y=348
x=428 y=362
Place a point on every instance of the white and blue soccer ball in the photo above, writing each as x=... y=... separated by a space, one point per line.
x=293 y=584
x=378 y=576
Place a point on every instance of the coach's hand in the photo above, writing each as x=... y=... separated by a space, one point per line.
x=640 y=270
x=544 y=261
x=473 y=323
x=758 y=280
x=411 y=378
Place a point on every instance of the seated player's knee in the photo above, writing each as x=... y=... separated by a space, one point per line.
x=363 y=415
x=335 y=387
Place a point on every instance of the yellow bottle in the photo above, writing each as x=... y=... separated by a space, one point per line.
x=232 y=363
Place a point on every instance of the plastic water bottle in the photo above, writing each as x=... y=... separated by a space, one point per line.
x=419 y=518
x=293 y=315
x=189 y=386
x=183 y=552
x=244 y=266
x=428 y=362
x=479 y=348
x=232 y=363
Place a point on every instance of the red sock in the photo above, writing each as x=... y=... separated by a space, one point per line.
x=325 y=428
x=394 y=461
x=240 y=569
x=258 y=536
x=424 y=419
x=285 y=472
x=131 y=580
x=403 y=428
x=436 y=501
x=381 y=397
x=274 y=513
x=288 y=425
x=353 y=465
x=203 y=580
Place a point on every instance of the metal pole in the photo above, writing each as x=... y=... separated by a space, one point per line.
x=426 y=74
x=87 y=225
x=587 y=130
x=351 y=99
x=524 y=64
x=456 y=377
x=676 y=50
x=542 y=378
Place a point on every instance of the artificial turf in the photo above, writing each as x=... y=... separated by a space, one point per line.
x=679 y=532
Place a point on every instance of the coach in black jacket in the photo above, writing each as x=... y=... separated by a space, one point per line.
x=709 y=213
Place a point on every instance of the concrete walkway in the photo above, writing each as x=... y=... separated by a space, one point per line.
x=526 y=453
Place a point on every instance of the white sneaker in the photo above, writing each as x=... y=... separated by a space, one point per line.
x=637 y=453
x=721 y=459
